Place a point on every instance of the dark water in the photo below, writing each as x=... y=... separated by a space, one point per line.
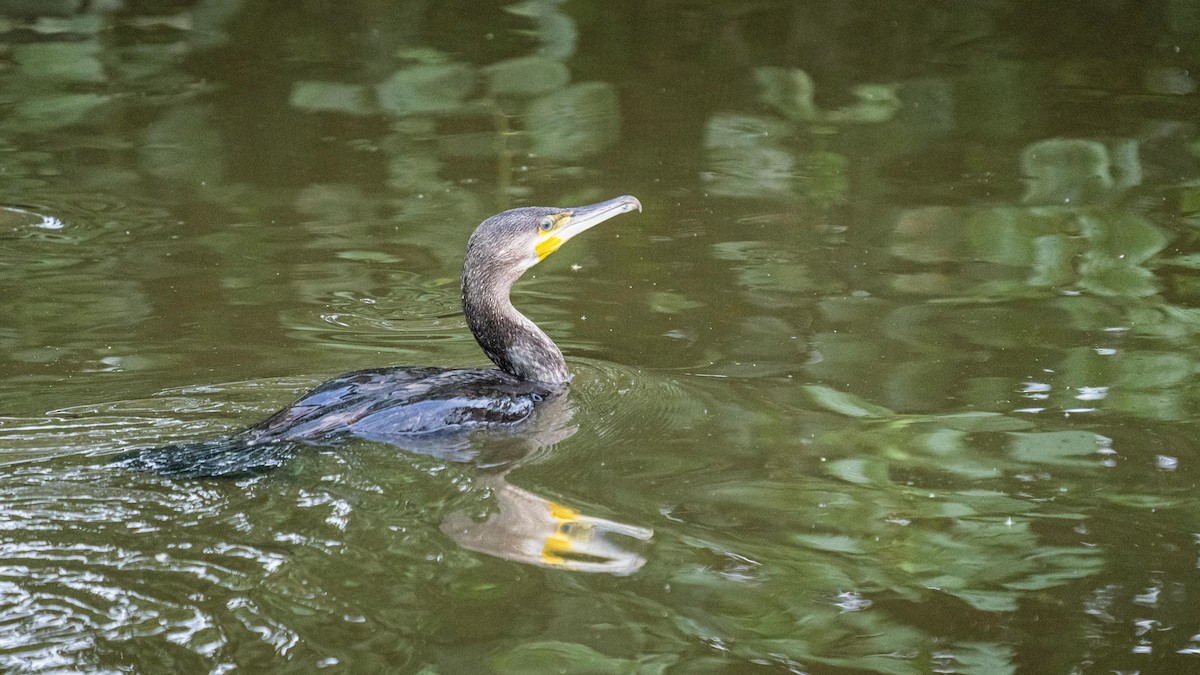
x=895 y=373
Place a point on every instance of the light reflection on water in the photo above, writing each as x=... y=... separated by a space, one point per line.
x=895 y=372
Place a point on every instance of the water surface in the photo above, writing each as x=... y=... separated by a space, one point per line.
x=894 y=374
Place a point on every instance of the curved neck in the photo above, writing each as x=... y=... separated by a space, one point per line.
x=513 y=342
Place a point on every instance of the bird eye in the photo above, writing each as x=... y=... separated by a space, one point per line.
x=546 y=224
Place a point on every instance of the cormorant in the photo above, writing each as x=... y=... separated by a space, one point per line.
x=409 y=406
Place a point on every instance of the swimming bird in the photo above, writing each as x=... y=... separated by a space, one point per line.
x=410 y=406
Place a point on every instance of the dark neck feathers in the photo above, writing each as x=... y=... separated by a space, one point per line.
x=513 y=342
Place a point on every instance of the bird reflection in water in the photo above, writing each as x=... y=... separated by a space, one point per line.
x=527 y=528
x=530 y=529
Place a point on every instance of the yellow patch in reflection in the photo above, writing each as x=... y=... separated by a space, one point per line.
x=566 y=534
x=561 y=513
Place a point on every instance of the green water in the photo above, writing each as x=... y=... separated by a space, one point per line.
x=895 y=373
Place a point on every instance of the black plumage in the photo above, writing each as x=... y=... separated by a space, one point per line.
x=410 y=407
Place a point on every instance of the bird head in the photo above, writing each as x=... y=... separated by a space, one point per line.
x=520 y=238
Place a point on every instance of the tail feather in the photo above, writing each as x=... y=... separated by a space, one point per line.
x=226 y=457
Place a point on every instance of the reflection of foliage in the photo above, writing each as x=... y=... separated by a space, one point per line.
x=1111 y=246
x=47 y=73
x=337 y=97
x=555 y=119
x=554 y=28
x=424 y=89
x=771 y=276
x=576 y=121
x=60 y=61
x=789 y=92
x=1078 y=171
x=1039 y=245
x=1106 y=259
x=749 y=156
x=878 y=527
x=792 y=92
x=196 y=162
x=526 y=76
x=745 y=159
x=54 y=111
x=755 y=156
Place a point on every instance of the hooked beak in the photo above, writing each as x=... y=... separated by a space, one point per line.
x=576 y=220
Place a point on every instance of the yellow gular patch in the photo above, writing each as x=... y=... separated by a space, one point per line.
x=549 y=244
